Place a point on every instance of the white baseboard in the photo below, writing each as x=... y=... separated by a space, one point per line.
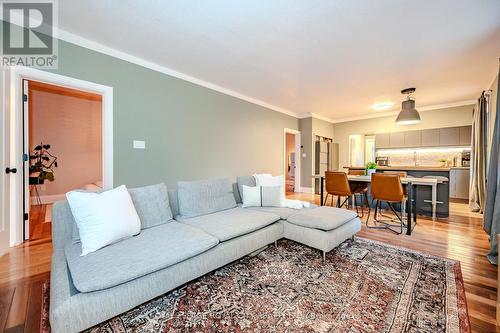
x=48 y=199
x=306 y=190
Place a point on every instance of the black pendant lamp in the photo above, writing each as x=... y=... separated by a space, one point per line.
x=408 y=114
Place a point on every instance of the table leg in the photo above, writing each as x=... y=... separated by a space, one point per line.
x=409 y=209
x=321 y=190
x=414 y=207
x=434 y=201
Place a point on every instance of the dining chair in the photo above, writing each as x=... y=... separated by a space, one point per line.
x=387 y=187
x=360 y=189
x=337 y=184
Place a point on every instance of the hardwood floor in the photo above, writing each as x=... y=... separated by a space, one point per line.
x=24 y=268
x=22 y=272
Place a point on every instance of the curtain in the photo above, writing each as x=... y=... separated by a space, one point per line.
x=477 y=190
x=492 y=208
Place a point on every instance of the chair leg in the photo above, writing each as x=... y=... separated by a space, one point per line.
x=325 y=199
x=368 y=215
x=384 y=223
x=324 y=256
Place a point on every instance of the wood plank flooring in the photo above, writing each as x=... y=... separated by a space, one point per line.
x=24 y=268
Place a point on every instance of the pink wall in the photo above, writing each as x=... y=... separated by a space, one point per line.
x=73 y=128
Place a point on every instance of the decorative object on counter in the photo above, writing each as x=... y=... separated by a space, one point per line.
x=371 y=167
x=443 y=162
x=408 y=114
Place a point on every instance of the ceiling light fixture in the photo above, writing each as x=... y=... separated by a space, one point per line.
x=408 y=114
x=381 y=106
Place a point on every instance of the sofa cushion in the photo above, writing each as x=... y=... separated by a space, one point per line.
x=244 y=180
x=232 y=223
x=323 y=218
x=202 y=197
x=153 y=249
x=283 y=212
x=151 y=203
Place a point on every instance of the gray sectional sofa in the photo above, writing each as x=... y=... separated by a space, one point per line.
x=210 y=230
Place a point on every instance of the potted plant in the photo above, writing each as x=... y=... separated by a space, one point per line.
x=42 y=163
x=371 y=167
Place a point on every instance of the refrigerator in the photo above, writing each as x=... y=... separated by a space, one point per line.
x=326 y=158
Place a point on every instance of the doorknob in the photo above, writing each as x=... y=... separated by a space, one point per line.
x=9 y=170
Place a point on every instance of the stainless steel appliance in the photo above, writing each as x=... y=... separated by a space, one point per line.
x=382 y=160
x=466 y=158
x=326 y=158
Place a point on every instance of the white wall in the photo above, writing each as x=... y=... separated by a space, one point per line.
x=448 y=117
x=73 y=128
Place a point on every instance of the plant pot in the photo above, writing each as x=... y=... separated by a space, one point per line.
x=370 y=171
x=36 y=181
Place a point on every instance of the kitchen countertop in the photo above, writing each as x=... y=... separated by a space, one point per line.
x=410 y=168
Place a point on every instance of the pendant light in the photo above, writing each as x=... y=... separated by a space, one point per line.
x=408 y=114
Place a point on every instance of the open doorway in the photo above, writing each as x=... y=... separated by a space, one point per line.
x=292 y=161
x=63 y=143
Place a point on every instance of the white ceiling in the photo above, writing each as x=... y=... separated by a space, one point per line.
x=333 y=58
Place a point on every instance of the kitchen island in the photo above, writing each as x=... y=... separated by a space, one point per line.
x=424 y=193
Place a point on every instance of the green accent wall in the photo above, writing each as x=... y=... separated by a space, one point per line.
x=191 y=132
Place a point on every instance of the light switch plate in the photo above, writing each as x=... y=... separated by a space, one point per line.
x=137 y=144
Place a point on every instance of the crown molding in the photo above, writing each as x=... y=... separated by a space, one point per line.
x=95 y=46
x=314 y=115
x=395 y=112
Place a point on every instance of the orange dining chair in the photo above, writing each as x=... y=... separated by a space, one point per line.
x=337 y=184
x=387 y=187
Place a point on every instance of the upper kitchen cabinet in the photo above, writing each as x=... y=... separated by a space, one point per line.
x=382 y=140
x=430 y=137
x=412 y=138
x=449 y=136
x=397 y=139
x=435 y=137
x=465 y=135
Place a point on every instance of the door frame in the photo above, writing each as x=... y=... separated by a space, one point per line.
x=297 y=157
x=15 y=110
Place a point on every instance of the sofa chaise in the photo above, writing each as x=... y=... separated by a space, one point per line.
x=186 y=233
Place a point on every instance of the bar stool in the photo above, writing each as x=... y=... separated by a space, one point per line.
x=387 y=188
x=337 y=184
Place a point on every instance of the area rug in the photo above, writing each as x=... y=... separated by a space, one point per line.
x=363 y=286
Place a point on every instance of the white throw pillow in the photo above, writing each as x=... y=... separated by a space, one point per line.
x=261 y=196
x=268 y=180
x=271 y=196
x=103 y=218
x=251 y=196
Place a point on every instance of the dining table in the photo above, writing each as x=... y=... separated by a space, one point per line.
x=411 y=182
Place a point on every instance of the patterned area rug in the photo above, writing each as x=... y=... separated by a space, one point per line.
x=364 y=286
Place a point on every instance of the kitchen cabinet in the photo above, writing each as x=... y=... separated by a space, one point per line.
x=449 y=136
x=429 y=137
x=412 y=138
x=435 y=137
x=382 y=140
x=459 y=183
x=465 y=135
x=397 y=139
